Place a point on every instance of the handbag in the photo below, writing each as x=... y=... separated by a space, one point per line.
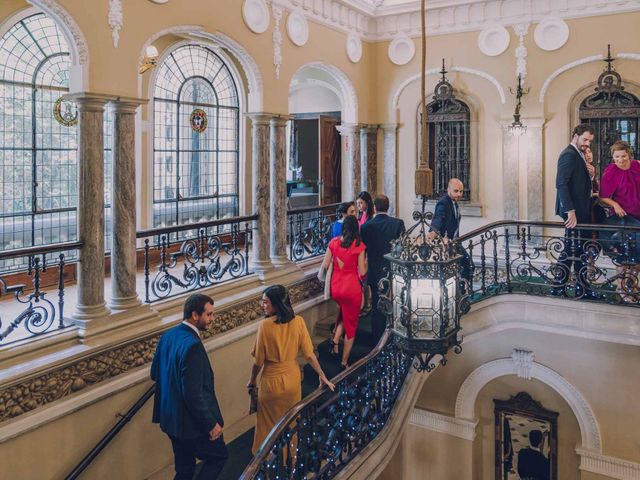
x=253 y=399
x=324 y=275
x=367 y=302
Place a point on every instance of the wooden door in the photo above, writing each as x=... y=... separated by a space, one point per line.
x=330 y=161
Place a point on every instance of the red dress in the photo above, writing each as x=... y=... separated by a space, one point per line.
x=345 y=283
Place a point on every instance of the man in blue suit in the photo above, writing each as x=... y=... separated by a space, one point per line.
x=377 y=234
x=185 y=403
x=446 y=220
x=573 y=204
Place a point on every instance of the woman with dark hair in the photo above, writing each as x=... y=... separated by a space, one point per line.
x=364 y=202
x=347 y=252
x=281 y=335
x=344 y=209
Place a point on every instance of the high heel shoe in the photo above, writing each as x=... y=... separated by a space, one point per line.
x=334 y=350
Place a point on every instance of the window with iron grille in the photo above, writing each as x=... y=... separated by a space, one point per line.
x=613 y=113
x=38 y=147
x=448 y=138
x=196 y=130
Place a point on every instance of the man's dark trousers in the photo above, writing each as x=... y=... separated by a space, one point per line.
x=213 y=453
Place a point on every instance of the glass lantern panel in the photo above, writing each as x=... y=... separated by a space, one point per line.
x=399 y=298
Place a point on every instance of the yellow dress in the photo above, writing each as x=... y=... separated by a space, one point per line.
x=276 y=350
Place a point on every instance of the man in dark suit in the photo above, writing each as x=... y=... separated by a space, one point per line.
x=377 y=234
x=573 y=203
x=446 y=221
x=532 y=464
x=185 y=403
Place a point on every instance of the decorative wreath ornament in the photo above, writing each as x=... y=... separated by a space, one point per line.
x=65 y=112
x=198 y=120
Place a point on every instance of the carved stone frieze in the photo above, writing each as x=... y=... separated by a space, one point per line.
x=65 y=380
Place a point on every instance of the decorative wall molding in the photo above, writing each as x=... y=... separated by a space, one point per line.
x=608 y=466
x=437 y=422
x=470 y=388
x=348 y=94
x=523 y=360
x=277 y=38
x=116 y=20
x=375 y=21
x=395 y=98
x=521 y=30
x=73 y=376
x=577 y=63
x=77 y=41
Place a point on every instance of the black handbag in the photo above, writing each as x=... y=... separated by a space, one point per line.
x=367 y=303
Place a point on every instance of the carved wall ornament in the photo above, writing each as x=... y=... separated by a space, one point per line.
x=493 y=40
x=551 y=33
x=116 y=20
x=523 y=360
x=256 y=15
x=354 y=47
x=298 y=28
x=67 y=379
x=277 y=38
x=521 y=31
x=401 y=49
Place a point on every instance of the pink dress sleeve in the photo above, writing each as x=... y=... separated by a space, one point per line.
x=609 y=181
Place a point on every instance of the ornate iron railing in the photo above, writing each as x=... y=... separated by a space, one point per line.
x=592 y=262
x=320 y=435
x=309 y=231
x=194 y=256
x=33 y=312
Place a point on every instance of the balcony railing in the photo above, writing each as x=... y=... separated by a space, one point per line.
x=194 y=256
x=34 y=311
x=309 y=231
x=592 y=262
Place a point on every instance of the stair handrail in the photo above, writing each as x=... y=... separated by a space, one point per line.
x=104 y=441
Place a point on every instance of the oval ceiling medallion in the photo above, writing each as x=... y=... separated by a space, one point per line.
x=297 y=28
x=493 y=40
x=401 y=50
x=256 y=15
x=354 y=47
x=160 y=2
x=551 y=33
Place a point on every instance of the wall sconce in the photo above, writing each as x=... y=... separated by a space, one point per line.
x=517 y=128
x=150 y=59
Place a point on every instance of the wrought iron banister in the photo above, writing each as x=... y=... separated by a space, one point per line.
x=102 y=444
x=309 y=230
x=33 y=313
x=194 y=256
x=320 y=434
x=590 y=262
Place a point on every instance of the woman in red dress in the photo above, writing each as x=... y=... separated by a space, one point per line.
x=348 y=257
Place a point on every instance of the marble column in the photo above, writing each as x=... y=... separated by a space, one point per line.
x=260 y=172
x=90 y=303
x=278 y=177
x=350 y=133
x=390 y=169
x=510 y=173
x=123 y=243
x=369 y=158
x=534 y=161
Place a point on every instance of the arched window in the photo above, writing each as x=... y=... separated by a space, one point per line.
x=614 y=113
x=38 y=147
x=196 y=125
x=448 y=138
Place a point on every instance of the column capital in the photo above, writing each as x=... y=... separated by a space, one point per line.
x=127 y=104
x=371 y=128
x=260 y=118
x=348 y=128
x=89 y=102
x=280 y=120
x=389 y=127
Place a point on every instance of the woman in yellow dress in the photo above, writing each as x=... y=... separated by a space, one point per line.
x=280 y=337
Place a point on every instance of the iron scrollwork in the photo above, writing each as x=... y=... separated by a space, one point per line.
x=309 y=232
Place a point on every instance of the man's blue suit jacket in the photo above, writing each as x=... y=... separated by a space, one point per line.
x=377 y=234
x=185 y=403
x=573 y=185
x=444 y=217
